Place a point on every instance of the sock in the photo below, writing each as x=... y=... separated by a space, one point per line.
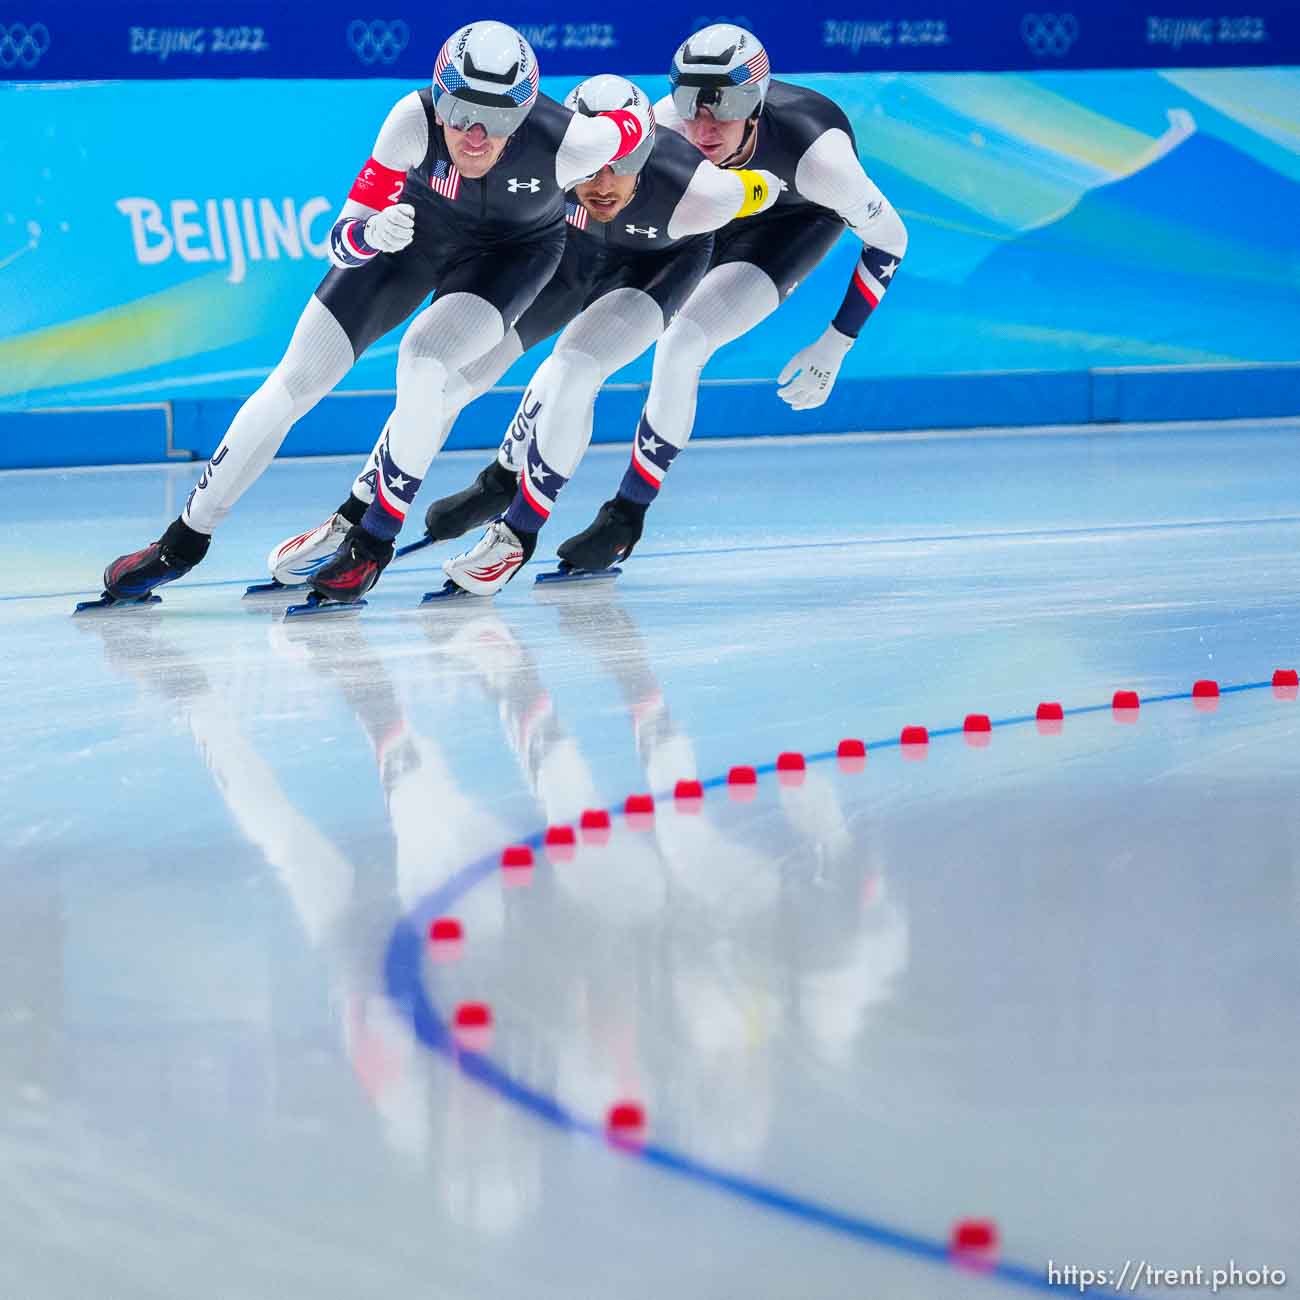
x=184 y=543
x=394 y=492
x=539 y=485
x=353 y=509
x=651 y=459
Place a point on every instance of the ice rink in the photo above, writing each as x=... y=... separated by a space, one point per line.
x=1048 y=981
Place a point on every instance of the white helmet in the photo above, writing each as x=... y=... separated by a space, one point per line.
x=722 y=68
x=486 y=75
x=602 y=93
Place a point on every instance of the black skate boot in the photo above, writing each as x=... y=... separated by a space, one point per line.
x=609 y=539
x=130 y=579
x=488 y=496
x=349 y=573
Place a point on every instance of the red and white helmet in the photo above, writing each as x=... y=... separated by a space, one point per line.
x=603 y=94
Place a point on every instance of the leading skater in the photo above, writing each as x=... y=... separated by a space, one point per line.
x=463 y=196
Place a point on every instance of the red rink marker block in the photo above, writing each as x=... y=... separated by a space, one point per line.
x=851 y=755
x=915 y=743
x=974 y=1242
x=977 y=730
x=594 y=826
x=1286 y=684
x=472 y=1026
x=1125 y=705
x=742 y=784
x=517 y=865
x=791 y=769
x=625 y=1123
x=688 y=796
x=1050 y=718
x=560 y=843
x=1205 y=695
x=639 y=811
x=446 y=939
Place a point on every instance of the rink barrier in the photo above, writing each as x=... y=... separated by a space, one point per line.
x=404 y=971
x=348 y=422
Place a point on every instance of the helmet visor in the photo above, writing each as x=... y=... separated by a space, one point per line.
x=728 y=103
x=465 y=108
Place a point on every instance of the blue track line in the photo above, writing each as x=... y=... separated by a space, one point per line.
x=404 y=980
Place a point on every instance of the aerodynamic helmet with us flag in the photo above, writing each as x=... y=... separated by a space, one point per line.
x=486 y=75
x=603 y=94
x=722 y=68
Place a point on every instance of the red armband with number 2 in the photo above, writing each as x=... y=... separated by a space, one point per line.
x=629 y=130
x=377 y=186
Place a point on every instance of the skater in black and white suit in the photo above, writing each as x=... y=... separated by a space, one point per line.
x=725 y=101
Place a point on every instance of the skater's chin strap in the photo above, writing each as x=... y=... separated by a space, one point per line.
x=745 y=148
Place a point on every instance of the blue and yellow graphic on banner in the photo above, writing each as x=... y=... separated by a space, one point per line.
x=158 y=240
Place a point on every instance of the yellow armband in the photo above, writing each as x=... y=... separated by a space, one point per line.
x=756 y=192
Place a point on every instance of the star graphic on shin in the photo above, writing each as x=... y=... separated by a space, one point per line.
x=398 y=484
x=887 y=271
x=538 y=474
x=650 y=444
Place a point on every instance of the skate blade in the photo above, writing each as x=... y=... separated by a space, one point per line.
x=565 y=574
x=118 y=603
x=448 y=591
x=273 y=588
x=316 y=606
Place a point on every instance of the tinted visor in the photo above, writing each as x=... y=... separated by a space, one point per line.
x=728 y=103
x=496 y=114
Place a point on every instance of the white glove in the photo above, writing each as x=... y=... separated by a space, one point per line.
x=392 y=229
x=816 y=365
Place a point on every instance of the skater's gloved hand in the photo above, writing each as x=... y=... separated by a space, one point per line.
x=392 y=229
x=816 y=365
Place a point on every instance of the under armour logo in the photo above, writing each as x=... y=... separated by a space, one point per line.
x=650 y=232
x=532 y=185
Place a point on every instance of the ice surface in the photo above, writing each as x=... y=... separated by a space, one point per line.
x=1051 y=981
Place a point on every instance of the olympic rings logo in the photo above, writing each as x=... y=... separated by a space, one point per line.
x=378 y=41
x=22 y=46
x=1049 y=33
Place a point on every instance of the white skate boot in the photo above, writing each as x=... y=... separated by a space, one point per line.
x=295 y=560
x=499 y=554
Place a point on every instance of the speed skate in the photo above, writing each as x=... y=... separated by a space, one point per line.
x=567 y=573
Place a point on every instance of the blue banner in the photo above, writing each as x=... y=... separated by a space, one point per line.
x=63 y=40
x=159 y=240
